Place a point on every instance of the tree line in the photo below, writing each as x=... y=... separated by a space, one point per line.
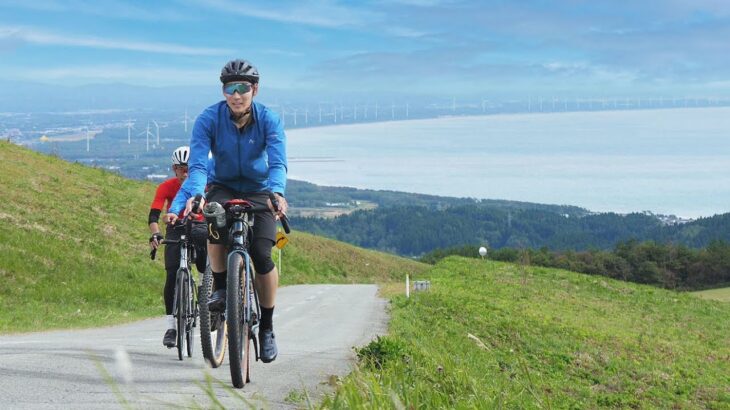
x=416 y=230
x=672 y=266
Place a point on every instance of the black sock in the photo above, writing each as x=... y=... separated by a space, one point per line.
x=219 y=280
x=266 y=315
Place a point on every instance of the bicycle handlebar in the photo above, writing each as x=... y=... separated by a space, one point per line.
x=196 y=207
x=196 y=204
x=285 y=223
x=184 y=221
x=284 y=220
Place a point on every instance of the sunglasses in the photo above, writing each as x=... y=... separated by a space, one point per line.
x=241 y=88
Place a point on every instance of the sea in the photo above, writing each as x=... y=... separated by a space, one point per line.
x=665 y=161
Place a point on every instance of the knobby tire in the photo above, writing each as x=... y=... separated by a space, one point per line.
x=190 y=313
x=213 y=342
x=239 y=341
x=180 y=310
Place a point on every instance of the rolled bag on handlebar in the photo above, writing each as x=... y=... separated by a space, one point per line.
x=215 y=214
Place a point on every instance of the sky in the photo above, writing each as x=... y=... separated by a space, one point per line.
x=565 y=48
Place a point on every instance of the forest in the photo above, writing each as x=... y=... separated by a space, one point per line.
x=666 y=265
x=416 y=230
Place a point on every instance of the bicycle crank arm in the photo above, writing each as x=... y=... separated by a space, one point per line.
x=255 y=343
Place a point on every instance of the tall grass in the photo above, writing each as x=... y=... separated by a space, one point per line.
x=488 y=335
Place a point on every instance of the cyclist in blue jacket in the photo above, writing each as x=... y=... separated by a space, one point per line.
x=248 y=147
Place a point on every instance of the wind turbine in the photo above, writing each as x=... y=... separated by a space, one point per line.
x=129 y=131
x=158 y=132
x=147 y=136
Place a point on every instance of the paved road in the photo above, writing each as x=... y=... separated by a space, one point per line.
x=316 y=328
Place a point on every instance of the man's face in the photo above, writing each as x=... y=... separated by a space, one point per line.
x=181 y=172
x=239 y=95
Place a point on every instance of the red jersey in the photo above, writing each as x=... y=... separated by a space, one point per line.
x=166 y=192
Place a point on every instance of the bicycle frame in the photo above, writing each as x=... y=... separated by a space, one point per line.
x=188 y=281
x=238 y=243
x=186 y=255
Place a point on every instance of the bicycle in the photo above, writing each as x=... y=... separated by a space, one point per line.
x=185 y=307
x=242 y=313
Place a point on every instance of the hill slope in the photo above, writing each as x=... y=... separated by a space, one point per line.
x=75 y=253
x=497 y=335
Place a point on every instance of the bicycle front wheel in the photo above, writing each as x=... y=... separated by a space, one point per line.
x=190 y=316
x=239 y=331
x=180 y=310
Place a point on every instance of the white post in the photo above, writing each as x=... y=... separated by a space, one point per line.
x=408 y=287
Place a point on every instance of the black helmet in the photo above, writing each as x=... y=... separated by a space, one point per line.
x=239 y=70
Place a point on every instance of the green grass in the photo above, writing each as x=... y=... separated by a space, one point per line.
x=722 y=294
x=311 y=259
x=496 y=335
x=74 y=248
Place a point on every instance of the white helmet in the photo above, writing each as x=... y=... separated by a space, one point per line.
x=180 y=155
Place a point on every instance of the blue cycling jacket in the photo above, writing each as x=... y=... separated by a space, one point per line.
x=249 y=160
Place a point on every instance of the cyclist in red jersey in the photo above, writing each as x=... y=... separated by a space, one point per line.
x=166 y=192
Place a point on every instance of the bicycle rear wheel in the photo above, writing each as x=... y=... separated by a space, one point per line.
x=213 y=338
x=239 y=330
x=180 y=311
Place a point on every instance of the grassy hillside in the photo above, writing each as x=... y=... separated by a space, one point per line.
x=313 y=259
x=497 y=335
x=722 y=294
x=74 y=248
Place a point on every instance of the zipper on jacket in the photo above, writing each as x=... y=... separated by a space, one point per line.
x=238 y=141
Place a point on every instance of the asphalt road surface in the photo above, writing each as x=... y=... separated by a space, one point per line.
x=127 y=367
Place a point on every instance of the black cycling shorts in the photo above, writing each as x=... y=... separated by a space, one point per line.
x=264 y=224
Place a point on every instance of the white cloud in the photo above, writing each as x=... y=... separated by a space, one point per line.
x=405 y=32
x=108 y=8
x=419 y=3
x=88 y=74
x=324 y=13
x=36 y=36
